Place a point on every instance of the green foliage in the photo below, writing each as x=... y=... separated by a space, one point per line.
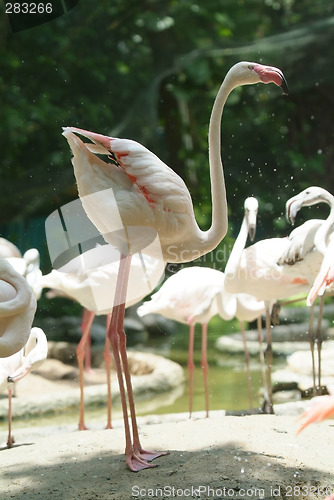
x=150 y=71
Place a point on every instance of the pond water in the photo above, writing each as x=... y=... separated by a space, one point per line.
x=227 y=373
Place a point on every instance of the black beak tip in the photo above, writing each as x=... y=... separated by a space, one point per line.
x=284 y=86
x=252 y=233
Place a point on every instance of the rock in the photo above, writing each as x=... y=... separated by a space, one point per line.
x=301 y=362
x=53 y=369
x=63 y=351
x=157 y=326
x=302 y=314
x=286 y=339
x=299 y=368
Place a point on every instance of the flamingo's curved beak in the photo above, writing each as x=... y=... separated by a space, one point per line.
x=292 y=208
x=251 y=232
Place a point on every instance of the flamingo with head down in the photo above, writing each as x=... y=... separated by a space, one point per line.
x=134 y=198
x=193 y=295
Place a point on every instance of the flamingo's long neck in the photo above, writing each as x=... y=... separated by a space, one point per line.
x=235 y=256
x=322 y=236
x=219 y=224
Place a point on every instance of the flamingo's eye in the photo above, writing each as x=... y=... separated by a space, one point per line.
x=251 y=67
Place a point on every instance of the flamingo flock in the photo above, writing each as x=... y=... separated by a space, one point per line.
x=133 y=199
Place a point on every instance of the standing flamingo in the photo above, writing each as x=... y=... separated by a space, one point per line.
x=135 y=197
x=94 y=290
x=17 y=310
x=193 y=295
x=319 y=243
x=251 y=308
x=15 y=367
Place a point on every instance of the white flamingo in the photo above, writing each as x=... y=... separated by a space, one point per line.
x=95 y=290
x=136 y=197
x=17 y=310
x=193 y=295
x=249 y=307
x=28 y=266
x=317 y=243
x=15 y=367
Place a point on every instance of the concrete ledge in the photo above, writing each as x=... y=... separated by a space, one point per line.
x=40 y=394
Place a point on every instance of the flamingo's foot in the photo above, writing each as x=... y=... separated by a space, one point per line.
x=108 y=426
x=10 y=442
x=151 y=455
x=136 y=463
x=82 y=427
x=90 y=371
x=141 y=459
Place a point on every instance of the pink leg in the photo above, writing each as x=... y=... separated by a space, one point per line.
x=262 y=359
x=319 y=340
x=81 y=350
x=135 y=456
x=205 y=366
x=269 y=358
x=107 y=362
x=11 y=439
x=248 y=373
x=88 y=361
x=191 y=366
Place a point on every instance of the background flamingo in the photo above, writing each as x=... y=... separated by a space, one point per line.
x=88 y=289
x=8 y=249
x=15 y=367
x=17 y=310
x=322 y=407
x=135 y=197
x=317 y=241
x=193 y=295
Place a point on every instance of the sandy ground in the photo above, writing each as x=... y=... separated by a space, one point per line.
x=256 y=456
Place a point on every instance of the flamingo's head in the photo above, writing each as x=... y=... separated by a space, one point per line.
x=309 y=196
x=251 y=206
x=245 y=73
